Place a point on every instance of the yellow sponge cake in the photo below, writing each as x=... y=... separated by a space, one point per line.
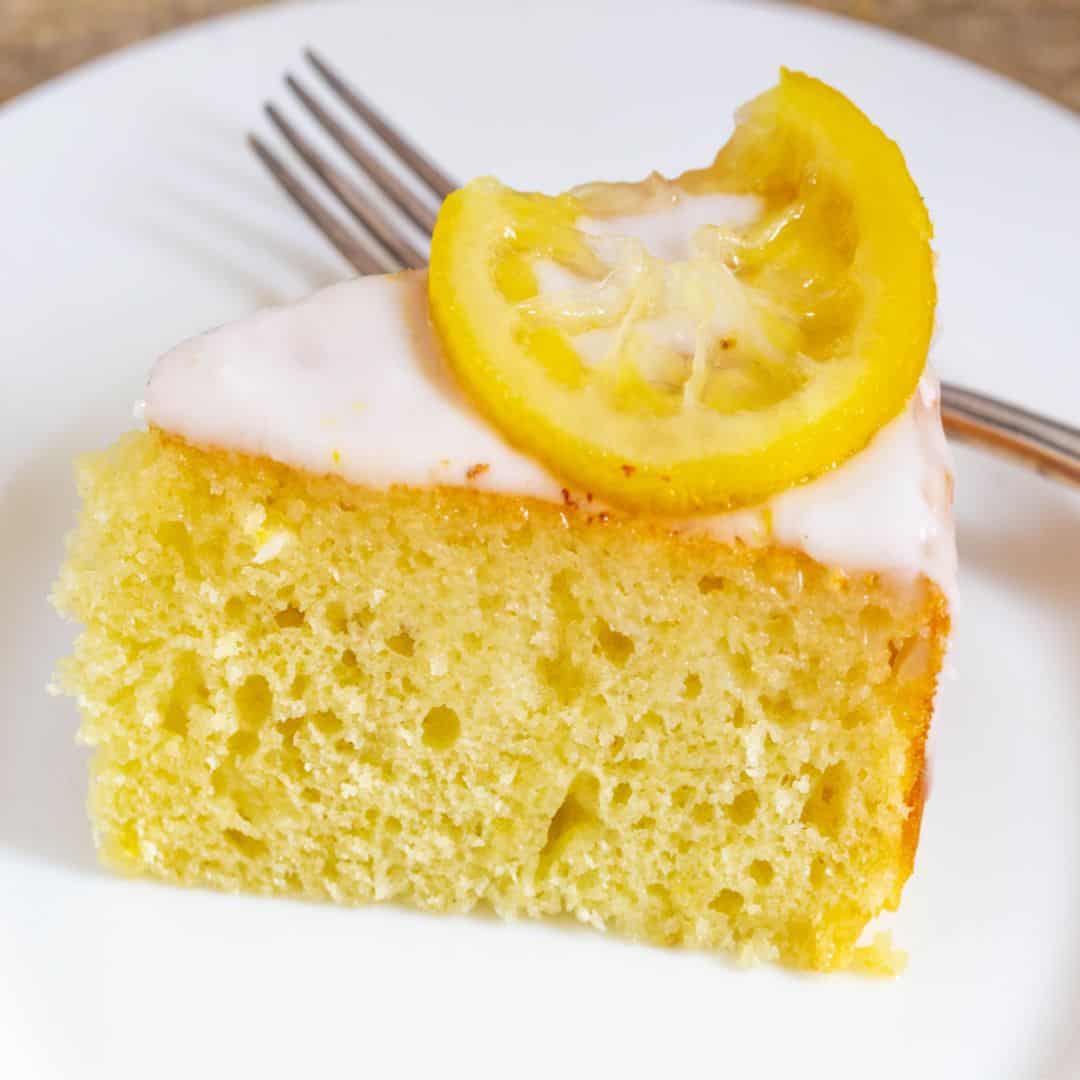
x=350 y=636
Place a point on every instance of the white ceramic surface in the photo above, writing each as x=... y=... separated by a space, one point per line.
x=133 y=217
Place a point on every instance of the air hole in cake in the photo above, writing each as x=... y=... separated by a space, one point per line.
x=441 y=728
x=855 y=718
x=126 y=839
x=598 y=712
x=727 y=902
x=392 y=826
x=761 y=870
x=563 y=676
x=402 y=643
x=330 y=868
x=472 y=642
x=781 y=628
x=574 y=821
x=243 y=743
x=645 y=823
x=621 y=795
x=336 y=617
x=617 y=647
x=248 y=846
x=743 y=807
x=779 y=708
x=349 y=671
x=692 y=686
x=563 y=601
x=235 y=610
x=326 y=722
x=188 y=691
x=413 y=560
x=703 y=814
x=587 y=882
x=491 y=603
x=874 y=620
x=738 y=716
x=254 y=702
x=652 y=723
x=741 y=665
x=818 y=872
x=826 y=804
x=660 y=893
x=174 y=535
x=371 y=755
x=288 y=729
x=289 y=617
x=299 y=686
x=683 y=797
x=310 y=795
x=710 y=583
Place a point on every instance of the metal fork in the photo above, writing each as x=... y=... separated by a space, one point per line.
x=394 y=230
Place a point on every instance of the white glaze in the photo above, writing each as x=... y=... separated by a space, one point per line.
x=667 y=231
x=351 y=381
x=887 y=509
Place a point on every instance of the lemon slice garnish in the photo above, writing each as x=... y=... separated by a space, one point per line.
x=768 y=350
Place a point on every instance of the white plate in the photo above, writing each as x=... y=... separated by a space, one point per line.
x=133 y=216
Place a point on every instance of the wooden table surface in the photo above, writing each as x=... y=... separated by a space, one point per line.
x=1035 y=41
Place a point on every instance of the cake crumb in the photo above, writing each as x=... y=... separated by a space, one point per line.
x=882 y=957
x=568 y=499
x=628 y=470
x=473 y=471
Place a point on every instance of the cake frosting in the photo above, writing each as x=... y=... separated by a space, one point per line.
x=351 y=381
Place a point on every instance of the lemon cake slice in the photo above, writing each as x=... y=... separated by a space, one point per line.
x=377 y=609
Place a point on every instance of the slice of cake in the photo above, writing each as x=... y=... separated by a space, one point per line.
x=365 y=619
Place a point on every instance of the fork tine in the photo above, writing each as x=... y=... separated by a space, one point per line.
x=427 y=170
x=343 y=238
x=354 y=199
x=419 y=212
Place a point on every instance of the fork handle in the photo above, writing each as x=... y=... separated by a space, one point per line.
x=1050 y=447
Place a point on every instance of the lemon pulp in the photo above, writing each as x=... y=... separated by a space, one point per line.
x=767 y=351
